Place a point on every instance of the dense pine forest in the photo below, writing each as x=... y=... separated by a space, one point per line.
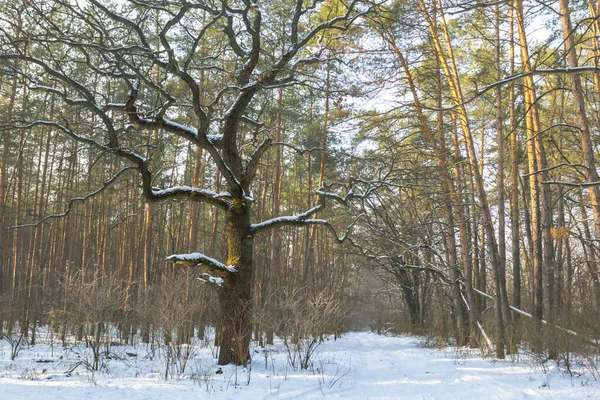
x=297 y=169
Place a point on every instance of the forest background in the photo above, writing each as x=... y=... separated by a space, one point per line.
x=319 y=166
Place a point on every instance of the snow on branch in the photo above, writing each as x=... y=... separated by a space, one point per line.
x=192 y=194
x=298 y=150
x=351 y=194
x=537 y=72
x=61 y=127
x=344 y=200
x=391 y=264
x=211 y=280
x=339 y=239
x=295 y=220
x=304 y=219
x=181 y=130
x=199 y=259
x=592 y=342
x=539 y=171
x=207 y=142
x=572 y=184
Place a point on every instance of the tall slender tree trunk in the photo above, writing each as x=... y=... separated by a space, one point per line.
x=506 y=315
x=500 y=141
x=453 y=205
x=589 y=249
x=514 y=185
x=587 y=145
x=463 y=231
x=534 y=151
x=449 y=66
x=274 y=258
x=596 y=30
x=313 y=229
x=4 y=221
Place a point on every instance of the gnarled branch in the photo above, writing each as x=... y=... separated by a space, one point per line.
x=199 y=259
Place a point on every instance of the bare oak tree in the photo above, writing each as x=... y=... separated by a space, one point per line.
x=130 y=76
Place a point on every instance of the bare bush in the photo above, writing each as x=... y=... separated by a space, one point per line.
x=91 y=308
x=171 y=311
x=15 y=329
x=305 y=320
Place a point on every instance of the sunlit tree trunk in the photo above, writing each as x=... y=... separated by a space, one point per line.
x=514 y=184
x=449 y=67
x=587 y=145
x=536 y=160
x=452 y=203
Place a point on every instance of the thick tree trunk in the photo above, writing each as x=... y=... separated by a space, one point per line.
x=236 y=294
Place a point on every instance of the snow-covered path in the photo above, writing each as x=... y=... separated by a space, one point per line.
x=401 y=369
x=359 y=366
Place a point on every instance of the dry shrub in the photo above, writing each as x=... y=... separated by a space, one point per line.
x=91 y=307
x=304 y=321
x=14 y=324
x=171 y=311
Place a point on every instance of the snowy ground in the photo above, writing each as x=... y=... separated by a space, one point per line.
x=358 y=366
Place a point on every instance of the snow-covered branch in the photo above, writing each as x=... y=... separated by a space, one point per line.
x=572 y=184
x=350 y=194
x=294 y=220
x=298 y=150
x=517 y=77
x=592 y=342
x=304 y=219
x=192 y=194
x=211 y=280
x=207 y=142
x=392 y=263
x=199 y=259
x=327 y=224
